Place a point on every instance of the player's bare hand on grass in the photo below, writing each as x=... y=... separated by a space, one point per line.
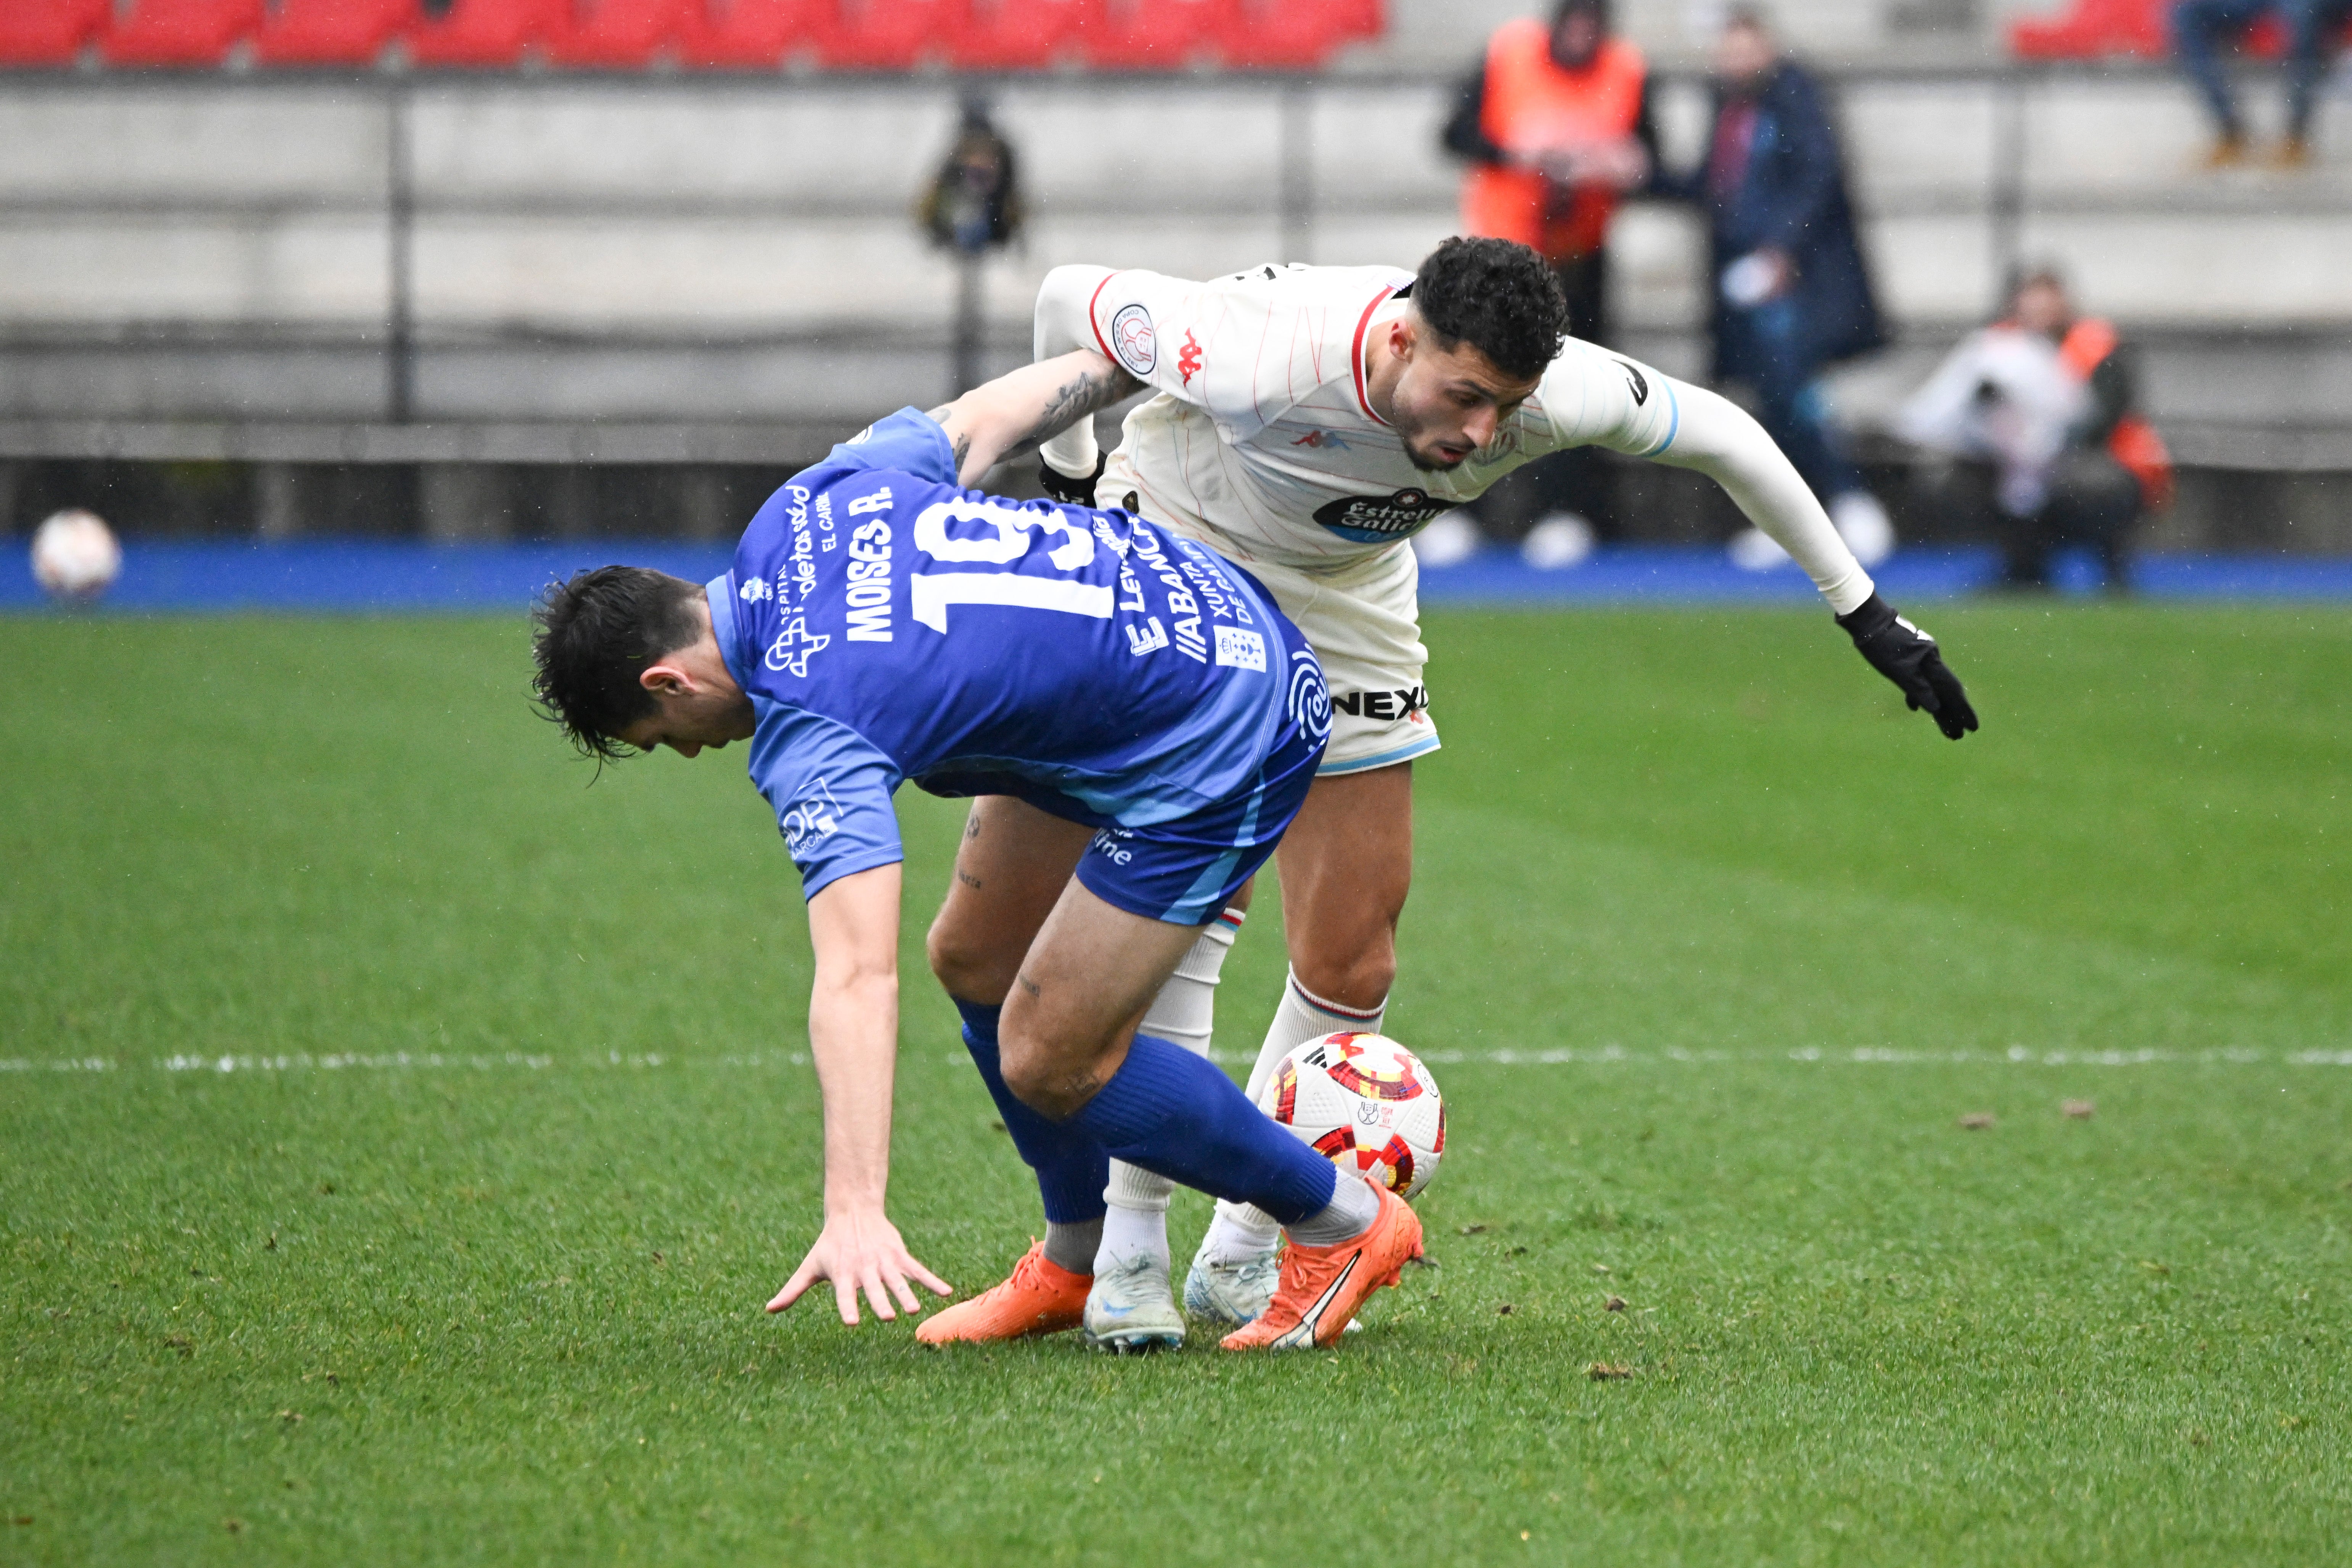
x=1909 y=658
x=862 y=1252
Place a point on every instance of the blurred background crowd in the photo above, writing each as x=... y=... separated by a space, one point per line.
x=454 y=270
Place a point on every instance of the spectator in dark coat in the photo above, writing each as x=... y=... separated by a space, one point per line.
x=1791 y=294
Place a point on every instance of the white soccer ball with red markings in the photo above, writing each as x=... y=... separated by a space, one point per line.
x=75 y=555
x=1366 y=1104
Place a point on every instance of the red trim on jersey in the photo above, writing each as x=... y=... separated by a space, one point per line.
x=1363 y=324
x=1097 y=326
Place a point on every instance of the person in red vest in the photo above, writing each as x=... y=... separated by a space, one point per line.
x=2041 y=407
x=1555 y=126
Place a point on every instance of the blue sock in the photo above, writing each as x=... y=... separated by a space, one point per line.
x=1072 y=1166
x=1179 y=1116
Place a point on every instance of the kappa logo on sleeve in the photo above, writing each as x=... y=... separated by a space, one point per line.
x=812 y=819
x=1187 y=363
x=757 y=589
x=1133 y=340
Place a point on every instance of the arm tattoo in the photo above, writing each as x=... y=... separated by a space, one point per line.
x=1081 y=397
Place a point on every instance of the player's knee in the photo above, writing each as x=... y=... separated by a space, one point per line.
x=1032 y=1067
x=1051 y=1056
x=964 y=966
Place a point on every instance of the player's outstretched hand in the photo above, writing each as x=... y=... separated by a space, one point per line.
x=1909 y=658
x=861 y=1251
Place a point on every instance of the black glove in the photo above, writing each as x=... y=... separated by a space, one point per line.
x=1908 y=657
x=1070 y=492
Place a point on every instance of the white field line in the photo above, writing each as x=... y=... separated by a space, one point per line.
x=1861 y=1055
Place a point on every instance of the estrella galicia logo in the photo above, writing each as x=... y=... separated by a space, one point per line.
x=1133 y=340
x=1375 y=520
x=1309 y=701
x=811 y=820
x=1641 y=382
x=793 y=646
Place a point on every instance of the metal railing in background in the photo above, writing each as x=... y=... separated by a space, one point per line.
x=1963 y=173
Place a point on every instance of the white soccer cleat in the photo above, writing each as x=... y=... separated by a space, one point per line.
x=1132 y=1308
x=1217 y=1292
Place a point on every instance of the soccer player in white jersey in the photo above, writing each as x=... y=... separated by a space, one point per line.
x=1309 y=421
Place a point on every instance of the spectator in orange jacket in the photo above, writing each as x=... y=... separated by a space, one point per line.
x=2036 y=420
x=1555 y=126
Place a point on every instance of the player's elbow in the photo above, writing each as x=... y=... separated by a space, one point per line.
x=1062 y=301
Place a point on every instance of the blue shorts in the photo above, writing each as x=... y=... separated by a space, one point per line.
x=1184 y=871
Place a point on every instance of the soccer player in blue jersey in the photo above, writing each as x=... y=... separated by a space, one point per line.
x=1150 y=719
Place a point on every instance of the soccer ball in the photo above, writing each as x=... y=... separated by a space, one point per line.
x=1365 y=1103
x=75 y=555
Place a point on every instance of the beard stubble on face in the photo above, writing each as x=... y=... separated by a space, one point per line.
x=1426 y=460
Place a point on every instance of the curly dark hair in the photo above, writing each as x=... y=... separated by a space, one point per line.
x=1498 y=297
x=592 y=636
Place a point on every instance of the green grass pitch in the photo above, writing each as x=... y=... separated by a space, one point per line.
x=461 y=1258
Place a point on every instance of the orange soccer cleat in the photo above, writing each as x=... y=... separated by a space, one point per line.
x=1039 y=1298
x=1322 y=1287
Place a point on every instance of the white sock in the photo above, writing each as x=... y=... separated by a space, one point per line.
x=1130 y=1234
x=1242 y=1231
x=1304 y=1017
x=1354 y=1206
x=1185 y=1012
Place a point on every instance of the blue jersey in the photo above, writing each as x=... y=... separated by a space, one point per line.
x=889 y=624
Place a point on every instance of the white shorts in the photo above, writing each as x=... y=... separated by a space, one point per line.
x=1364 y=622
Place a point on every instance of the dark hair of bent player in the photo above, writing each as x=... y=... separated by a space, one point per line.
x=594 y=635
x=1497 y=296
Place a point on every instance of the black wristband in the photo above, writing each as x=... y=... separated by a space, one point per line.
x=1068 y=490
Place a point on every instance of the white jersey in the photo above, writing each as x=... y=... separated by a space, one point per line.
x=1264 y=442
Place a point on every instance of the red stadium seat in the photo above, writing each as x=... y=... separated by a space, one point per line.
x=181 y=32
x=485 y=32
x=1281 y=33
x=1163 y=34
x=2093 y=28
x=331 y=32
x=1015 y=35
x=49 y=32
x=618 y=34
x=755 y=34
x=894 y=35
x=2099 y=27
